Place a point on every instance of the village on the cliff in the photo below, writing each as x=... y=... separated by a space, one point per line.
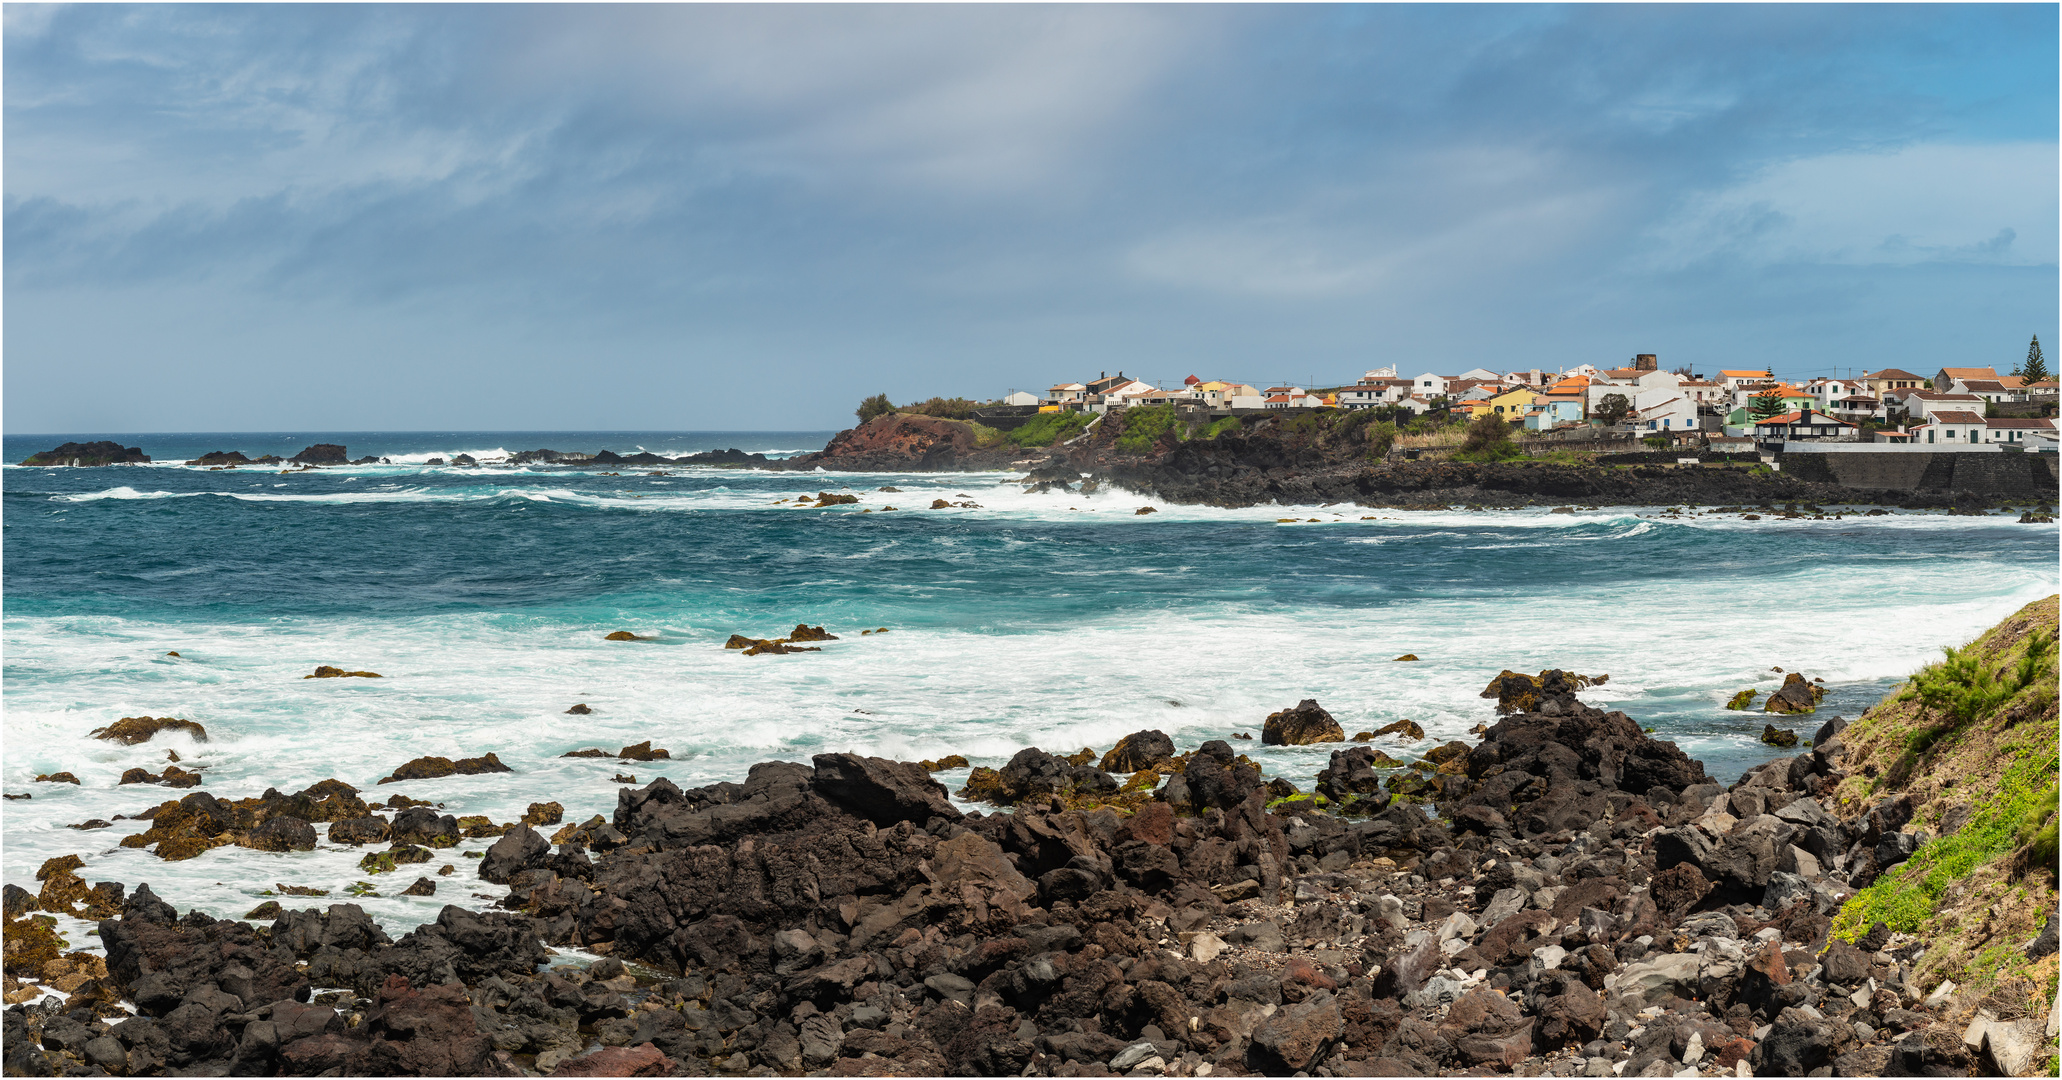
x=1956 y=408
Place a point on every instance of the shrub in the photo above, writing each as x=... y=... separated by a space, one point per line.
x=874 y=406
x=1657 y=442
x=1488 y=439
x=1143 y=426
x=1048 y=428
x=958 y=408
x=1380 y=437
x=1219 y=426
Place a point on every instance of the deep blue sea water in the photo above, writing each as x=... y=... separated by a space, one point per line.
x=482 y=595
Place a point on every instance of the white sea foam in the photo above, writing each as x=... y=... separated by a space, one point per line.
x=464 y=684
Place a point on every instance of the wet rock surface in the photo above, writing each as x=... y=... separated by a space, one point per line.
x=1566 y=896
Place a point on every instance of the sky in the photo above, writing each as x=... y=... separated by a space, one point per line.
x=652 y=217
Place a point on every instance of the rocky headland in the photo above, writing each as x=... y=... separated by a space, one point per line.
x=1318 y=458
x=1565 y=896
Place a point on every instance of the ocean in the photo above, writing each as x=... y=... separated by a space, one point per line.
x=483 y=595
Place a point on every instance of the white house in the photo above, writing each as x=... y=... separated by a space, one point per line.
x=1664 y=412
x=1428 y=385
x=1020 y=397
x=1066 y=393
x=2016 y=431
x=1479 y=373
x=1951 y=427
x=1736 y=379
x=2002 y=388
x=1924 y=404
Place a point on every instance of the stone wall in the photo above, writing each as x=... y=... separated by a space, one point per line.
x=2002 y=475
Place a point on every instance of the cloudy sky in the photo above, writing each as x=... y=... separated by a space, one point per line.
x=654 y=217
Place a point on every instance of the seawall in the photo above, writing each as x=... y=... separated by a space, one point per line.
x=2004 y=475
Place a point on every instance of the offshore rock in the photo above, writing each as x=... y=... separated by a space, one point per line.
x=321 y=454
x=430 y=768
x=93 y=453
x=1303 y=725
x=131 y=730
x=1796 y=696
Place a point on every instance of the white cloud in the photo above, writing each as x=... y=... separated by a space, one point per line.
x=958 y=98
x=1459 y=213
x=1928 y=203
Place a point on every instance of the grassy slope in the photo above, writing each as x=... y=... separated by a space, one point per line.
x=1981 y=894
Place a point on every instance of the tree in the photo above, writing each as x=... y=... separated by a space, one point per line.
x=876 y=405
x=1613 y=408
x=2036 y=367
x=1488 y=439
x=1765 y=404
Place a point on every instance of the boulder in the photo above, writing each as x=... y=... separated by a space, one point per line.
x=1303 y=725
x=1797 y=695
x=131 y=730
x=430 y=768
x=1298 y=1036
x=1138 y=750
x=324 y=671
x=517 y=850
x=882 y=791
x=1402 y=729
x=1774 y=737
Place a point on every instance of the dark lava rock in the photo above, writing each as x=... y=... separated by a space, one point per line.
x=321 y=454
x=93 y=453
x=1305 y=724
x=1138 y=750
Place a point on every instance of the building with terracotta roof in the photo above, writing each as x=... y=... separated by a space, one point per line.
x=1893 y=379
x=1923 y=404
x=1944 y=379
x=1803 y=426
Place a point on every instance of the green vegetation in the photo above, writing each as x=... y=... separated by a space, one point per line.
x=1963 y=689
x=1380 y=436
x=1046 y=429
x=1981 y=695
x=1218 y=427
x=874 y=406
x=1143 y=426
x=1568 y=457
x=1611 y=408
x=1905 y=898
x=958 y=408
x=1656 y=442
x=1765 y=404
x=1488 y=439
x=2035 y=369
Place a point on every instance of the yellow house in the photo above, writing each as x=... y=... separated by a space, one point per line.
x=1514 y=405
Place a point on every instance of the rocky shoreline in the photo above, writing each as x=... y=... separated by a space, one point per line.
x=1303 y=461
x=1287 y=462
x=1565 y=897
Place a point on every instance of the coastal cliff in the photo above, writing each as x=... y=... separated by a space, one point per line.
x=1566 y=896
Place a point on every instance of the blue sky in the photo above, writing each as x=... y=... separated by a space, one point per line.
x=653 y=217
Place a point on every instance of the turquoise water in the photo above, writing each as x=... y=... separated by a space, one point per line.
x=482 y=596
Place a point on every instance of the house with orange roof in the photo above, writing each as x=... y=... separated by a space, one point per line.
x=1944 y=379
x=1803 y=425
x=1733 y=379
x=1879 y=382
